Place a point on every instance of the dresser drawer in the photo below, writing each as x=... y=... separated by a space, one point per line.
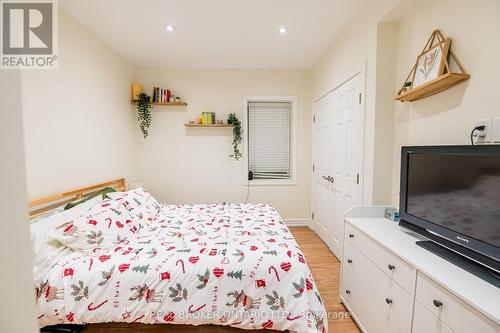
x=389 y=263
x=363 y=310
x=389 y=297
x=426 y=322
x=452 y=311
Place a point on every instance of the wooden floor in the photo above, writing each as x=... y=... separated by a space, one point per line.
x=326 y=271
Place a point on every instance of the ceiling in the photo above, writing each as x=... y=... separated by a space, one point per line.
x=216 y=33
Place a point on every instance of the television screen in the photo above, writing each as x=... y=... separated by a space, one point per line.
x=460 y=192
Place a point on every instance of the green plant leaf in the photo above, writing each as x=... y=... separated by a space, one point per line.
x=232 y=119
x=144 y=113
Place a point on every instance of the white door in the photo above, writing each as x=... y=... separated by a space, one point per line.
x=337 y=156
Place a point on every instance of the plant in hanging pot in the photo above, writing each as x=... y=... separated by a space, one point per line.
x=233 y=120
x=144 y=113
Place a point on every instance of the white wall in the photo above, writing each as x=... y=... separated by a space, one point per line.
x=384 y=117
x=355 y=47
x=78 y=126
x=16 y=280
x=181 y=165
x=448 y=117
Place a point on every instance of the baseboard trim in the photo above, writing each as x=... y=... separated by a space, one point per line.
x=297 y=222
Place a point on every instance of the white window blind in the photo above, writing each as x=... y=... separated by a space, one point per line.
x=269 y=140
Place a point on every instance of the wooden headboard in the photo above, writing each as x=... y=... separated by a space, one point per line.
x=44 y=204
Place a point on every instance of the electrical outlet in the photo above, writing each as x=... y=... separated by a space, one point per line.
x=483 y=136
x=495 y=131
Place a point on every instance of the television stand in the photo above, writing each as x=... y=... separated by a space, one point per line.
x=424 y=292
x=470 y=266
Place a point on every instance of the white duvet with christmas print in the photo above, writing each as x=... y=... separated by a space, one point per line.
x=228 y=264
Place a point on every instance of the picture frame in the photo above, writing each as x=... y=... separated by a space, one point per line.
x=431 y=63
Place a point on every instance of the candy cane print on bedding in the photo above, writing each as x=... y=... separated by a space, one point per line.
x=234 y=265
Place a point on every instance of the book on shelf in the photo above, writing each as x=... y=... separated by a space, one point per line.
x=161 y=95
x=208 y=118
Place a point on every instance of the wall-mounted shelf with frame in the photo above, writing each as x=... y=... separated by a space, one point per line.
x=208 y=126
x=445 y=79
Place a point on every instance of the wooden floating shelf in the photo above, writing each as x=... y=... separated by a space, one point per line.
x=440 y=83
x=165 y=103
x=209 y=126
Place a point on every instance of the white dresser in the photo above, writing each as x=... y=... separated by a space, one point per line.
x=389 y=284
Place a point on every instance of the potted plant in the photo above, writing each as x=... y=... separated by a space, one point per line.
x=144 y=113
x=233 y=120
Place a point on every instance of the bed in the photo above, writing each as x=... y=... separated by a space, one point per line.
x=128 y=258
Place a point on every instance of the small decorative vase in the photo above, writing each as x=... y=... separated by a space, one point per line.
x=136 y=90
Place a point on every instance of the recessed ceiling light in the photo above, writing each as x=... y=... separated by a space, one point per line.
x=283 y=30
x=169 y=27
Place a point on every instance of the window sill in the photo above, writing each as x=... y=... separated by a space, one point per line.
x=271 y=182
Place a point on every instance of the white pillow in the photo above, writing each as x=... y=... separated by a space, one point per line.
x=47 y=250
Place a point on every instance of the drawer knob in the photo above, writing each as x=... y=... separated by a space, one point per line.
x=391 y=267
x=437 y=303
x=388 y=300
x=349 y=261
x=347 y=291
x=351 y=235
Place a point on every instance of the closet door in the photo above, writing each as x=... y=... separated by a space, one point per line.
x=337 y=156
x=322 y=194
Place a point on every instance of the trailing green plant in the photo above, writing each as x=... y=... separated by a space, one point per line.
x=144 y=113
x=232 y=119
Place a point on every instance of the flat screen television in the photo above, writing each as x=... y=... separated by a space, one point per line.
x=451 y=195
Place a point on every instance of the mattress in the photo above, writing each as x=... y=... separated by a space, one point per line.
x=227 y=264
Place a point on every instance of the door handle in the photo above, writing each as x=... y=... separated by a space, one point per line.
x=329 y=179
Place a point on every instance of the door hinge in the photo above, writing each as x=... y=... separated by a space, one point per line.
x=357 y=179
x=313 y=168
x=359 y=98
x=314 y=119
x=312 y=215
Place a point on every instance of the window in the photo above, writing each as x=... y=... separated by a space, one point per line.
x=270 y=137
